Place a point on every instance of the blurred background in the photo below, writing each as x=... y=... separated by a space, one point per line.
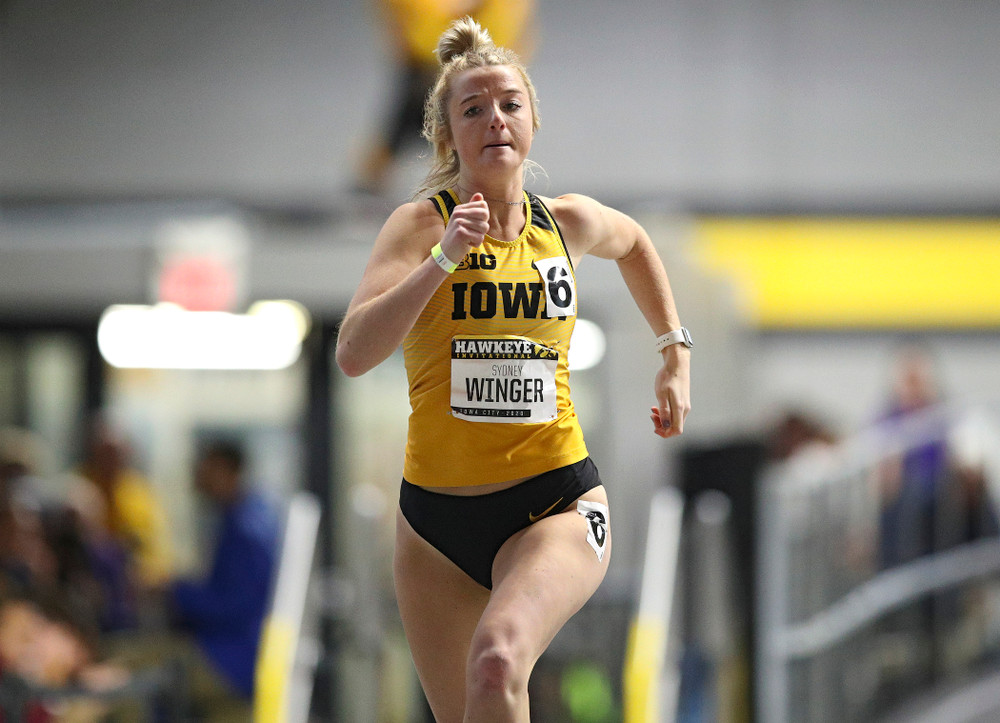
x=188 y=195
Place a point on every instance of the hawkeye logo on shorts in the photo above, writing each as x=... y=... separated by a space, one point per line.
x=598 y=521
x=503 y=379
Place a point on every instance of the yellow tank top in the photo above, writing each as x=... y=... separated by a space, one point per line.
x=487 y=365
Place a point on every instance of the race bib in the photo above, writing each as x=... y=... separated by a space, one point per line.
x=560 y=290
x=503 y=379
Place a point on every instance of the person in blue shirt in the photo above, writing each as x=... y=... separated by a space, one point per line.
x=224 y=612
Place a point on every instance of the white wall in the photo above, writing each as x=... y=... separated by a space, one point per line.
x=720 y=102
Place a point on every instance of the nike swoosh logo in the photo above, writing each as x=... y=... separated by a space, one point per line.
x=535 y=518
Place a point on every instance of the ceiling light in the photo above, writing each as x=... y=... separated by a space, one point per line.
x=166 y=336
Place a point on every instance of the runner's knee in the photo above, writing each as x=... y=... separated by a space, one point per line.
x=496 y=667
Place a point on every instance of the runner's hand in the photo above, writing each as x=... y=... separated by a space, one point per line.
x=673 y=393
x=467 y=226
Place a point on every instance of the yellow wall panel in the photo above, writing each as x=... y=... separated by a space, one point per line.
x=858 y=272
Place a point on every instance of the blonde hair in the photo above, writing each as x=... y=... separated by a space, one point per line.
x=464 y=45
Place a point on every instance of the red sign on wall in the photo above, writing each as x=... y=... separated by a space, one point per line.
x=198 y=283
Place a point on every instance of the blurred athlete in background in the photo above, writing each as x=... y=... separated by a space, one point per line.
x=414 y=27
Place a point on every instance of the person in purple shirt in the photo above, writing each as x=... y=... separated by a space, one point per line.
x=224 y=611
x=910 y=483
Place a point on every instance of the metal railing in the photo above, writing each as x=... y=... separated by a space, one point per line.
x=873 y=586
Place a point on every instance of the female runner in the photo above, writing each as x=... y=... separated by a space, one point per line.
x=503 y=529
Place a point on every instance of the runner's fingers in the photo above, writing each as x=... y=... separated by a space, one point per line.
x=658 y=418
x=468 y=233
x=476 y=207
x=676 y=419
x=680 y=406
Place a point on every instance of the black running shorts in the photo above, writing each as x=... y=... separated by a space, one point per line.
x=469 y=531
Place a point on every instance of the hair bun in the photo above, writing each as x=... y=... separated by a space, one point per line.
x=463 y=35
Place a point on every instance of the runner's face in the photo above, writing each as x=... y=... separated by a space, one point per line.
x=490 y=116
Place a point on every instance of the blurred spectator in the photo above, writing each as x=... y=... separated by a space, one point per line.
x=969 y=505
x=909 y=484
x=96 y=570
x=133 y=514
x=794 y=431
x=20 y=622
x=44 y=647
x=26 y=560
x=414 y=28
x=226 y=610
x=975 y=460
x=910 y=481
x=219 y=618
x=63 y=545
x=20 y=459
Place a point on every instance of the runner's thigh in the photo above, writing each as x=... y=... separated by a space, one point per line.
x=440 y=607
x=543 y=575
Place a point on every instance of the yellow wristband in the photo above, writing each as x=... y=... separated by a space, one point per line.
x=443 y=261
